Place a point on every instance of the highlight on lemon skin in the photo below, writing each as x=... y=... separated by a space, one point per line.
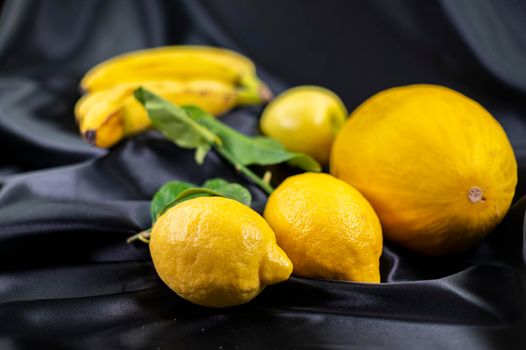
x=436 y=166
x=216 y=252
x=305 y=119
x=326 y=227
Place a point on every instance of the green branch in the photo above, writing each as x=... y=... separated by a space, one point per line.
x=265 y=186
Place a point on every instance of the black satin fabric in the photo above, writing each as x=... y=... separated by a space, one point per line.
x=69 y=280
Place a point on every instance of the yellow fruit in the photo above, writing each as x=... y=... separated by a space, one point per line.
x=175 y=63
x=214 y=79
x=305 y=119
x=216 y=252
x=107 y=116
x=326 y=227
x=435 y=165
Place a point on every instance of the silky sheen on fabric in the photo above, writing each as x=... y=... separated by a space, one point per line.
x=69 y=280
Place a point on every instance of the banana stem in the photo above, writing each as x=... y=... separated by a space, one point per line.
x=253 y=91
x=249 y=97
x=265 y=186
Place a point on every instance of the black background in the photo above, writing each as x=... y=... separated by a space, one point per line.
x=69 y=280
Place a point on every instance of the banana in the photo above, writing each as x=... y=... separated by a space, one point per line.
x=106 y=116
x=179 y=63
x=214 y=79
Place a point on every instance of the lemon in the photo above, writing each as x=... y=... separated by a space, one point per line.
x=435 y=165
x=216 y=252
x=326 y=227
x=305 y=119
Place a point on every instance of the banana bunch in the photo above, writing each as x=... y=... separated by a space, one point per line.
x=213 y=79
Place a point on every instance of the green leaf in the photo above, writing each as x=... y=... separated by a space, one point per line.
x=166 y=195
x=303 y=161
x=251 y=150
x=233 y=191
x=215 y=183
x=191 y=127
x=176 y=125
x=175 y=192
x=230 y=190
x=192 y=193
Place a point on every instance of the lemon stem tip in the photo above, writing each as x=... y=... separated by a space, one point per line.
x=475 y=195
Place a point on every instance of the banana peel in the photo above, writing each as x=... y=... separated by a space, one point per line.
x=215 y=79
x=107 y=116
x=170 y=62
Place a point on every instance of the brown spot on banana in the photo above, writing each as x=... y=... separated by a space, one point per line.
x=90 y=136
x=108 y=133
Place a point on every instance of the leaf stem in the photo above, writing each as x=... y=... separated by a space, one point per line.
x=267 y=177
x=244 y=170
x=143 y=236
